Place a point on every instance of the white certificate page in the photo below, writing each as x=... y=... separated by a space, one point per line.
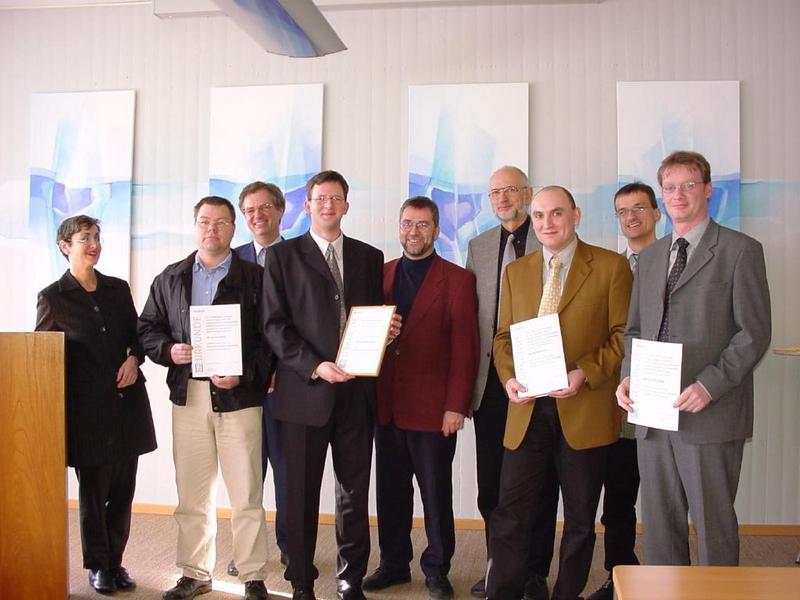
x=364 y=340
x=655 y=383
x=216 y=340
x=539 y=355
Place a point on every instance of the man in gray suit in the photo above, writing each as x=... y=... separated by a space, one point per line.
x=488 y=254
x=705 y=287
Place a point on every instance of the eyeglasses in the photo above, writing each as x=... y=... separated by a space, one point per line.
x=633 y=211
x=87 y=239
x=510 y=189
x=685 y=187
x=206 y=224
x=251 y=210
x=325 y=199
x=422 y=226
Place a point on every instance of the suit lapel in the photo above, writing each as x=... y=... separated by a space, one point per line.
x=537 y=285
x=701 y=255
x=579 y=270
x=428 y=293
x=315 y=259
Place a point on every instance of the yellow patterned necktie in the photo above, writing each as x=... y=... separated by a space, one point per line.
x=551 y=295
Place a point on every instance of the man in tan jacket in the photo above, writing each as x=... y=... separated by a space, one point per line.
x=570 y=429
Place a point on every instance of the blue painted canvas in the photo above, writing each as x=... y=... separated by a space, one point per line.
x=271 y=133
x=655 y=118
x=458 y=135
x=81 y=163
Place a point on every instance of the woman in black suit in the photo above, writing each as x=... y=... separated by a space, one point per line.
x=109 y=423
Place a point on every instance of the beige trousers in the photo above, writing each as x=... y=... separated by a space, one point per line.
x=202 y=440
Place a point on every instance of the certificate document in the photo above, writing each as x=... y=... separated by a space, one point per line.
x=539 y=355
x=216 y=340
x=655 y=383
x=364 y=340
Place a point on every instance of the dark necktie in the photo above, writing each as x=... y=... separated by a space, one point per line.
x=509 y=256
x=672 y=280
x=330 y=258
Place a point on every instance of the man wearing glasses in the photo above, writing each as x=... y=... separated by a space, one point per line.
x=637 y=210
x=424 y=391
x=310 y=283
x=216 y=421
x=263 y=205
x=703 y=286
x=488 y=255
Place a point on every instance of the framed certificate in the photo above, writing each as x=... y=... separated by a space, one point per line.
x=364 y=340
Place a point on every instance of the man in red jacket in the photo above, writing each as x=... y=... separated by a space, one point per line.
x=424 y=392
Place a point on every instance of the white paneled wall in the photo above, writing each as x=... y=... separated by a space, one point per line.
x=572 y=55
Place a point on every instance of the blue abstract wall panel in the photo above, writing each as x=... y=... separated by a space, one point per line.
x=81 y=163
x=271 y=133
x=655 y=118
x=458 y=135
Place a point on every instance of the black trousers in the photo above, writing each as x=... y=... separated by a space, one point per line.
x=580 y=476
x=105 y=495
x=349 y=433
x=490 y=425
x=401 y=455
x=272 y=454
x=621 y=485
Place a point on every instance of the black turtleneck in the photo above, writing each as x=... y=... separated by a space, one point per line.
x=408 y=279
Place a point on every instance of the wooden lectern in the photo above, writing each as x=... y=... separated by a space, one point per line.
x=33 y=483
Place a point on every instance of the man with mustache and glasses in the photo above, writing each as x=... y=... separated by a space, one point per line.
x=424 y=391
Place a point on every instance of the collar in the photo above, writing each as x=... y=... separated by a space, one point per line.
x=693 y=235
x=565 y=255
x=223 y=266
x=323 y=244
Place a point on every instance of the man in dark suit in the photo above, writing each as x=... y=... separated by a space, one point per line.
x=568 y=429
x=705 y=287
x=263 y=205
x=216 y=421
x=310 y=283
x=489 y=253
x=424 y=391
x=637 y=210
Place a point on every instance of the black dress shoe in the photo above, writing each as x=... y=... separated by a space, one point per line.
x=536 y=589
x=303 y=592
x=124 y=581
x=255 y=590
x=604 y=592
x=478 y=590
x=382 y=578
x=347 y=591
x=439 y=587
x=187 y=588
x=102 y=580
x=232 y=570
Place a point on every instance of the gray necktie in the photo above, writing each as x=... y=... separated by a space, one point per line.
x=509 y=256
x=330 y=258
x=633 y=259
x=262 y=256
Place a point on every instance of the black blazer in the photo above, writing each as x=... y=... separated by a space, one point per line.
x=301 y=321
x=165 y=321
x=104 y=423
